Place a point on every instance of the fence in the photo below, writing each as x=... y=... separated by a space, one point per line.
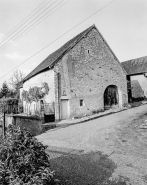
x=40 y=110
x=46 y=112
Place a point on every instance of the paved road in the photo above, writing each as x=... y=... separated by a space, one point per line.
x=118 y=135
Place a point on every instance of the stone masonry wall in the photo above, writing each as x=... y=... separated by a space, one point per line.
x=91 y=69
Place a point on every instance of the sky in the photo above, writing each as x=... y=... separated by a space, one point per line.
x=123 y=24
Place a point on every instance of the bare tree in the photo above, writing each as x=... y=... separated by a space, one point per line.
x=16 y=78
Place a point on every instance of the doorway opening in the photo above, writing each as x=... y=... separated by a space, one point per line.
x=111 y=97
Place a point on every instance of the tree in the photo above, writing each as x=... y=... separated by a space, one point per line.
x=15 y=81
x=16 y=78
x=4 y=90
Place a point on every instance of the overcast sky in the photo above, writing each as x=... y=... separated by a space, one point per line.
x=123 y=24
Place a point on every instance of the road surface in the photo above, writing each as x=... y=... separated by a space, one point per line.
x=118 y=135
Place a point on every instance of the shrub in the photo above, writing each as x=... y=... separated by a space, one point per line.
x=97 y=111
x=23 y=160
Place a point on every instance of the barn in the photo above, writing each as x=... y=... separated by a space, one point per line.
x=83 y=76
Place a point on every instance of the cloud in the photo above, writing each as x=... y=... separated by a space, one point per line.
x=15 y=56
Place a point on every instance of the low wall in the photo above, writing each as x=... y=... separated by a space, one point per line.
x=32 y=124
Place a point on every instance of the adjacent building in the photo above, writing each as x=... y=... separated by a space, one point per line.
x=137 y=77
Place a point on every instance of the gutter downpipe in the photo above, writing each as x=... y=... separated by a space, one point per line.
x=58 y=77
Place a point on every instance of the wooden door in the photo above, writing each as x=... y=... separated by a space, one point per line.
x=64 y=109
x=110 y=97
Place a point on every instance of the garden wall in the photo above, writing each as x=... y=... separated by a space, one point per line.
x=32 y=124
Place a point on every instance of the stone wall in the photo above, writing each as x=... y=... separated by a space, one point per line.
x=86 y=71
x=32 y=124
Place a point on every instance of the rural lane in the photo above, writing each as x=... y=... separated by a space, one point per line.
x=118 y=135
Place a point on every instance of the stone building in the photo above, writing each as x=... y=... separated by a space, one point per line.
x=83 y=76
x=137 y=77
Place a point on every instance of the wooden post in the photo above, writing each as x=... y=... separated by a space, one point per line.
x=4 y=123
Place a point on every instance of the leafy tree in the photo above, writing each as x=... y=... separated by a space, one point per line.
x=14 y=82
x=35 y=93
x=16 y=78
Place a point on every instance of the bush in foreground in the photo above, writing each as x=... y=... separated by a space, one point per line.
x=23 y=160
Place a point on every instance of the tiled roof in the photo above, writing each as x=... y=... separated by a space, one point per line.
x=55 y=56
x=135 y=66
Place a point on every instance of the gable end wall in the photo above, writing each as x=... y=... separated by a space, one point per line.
x=91 y=68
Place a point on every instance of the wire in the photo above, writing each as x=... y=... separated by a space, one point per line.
x=20 y=22
x=58 y=38
x=13 y=37
x=27 y=20
x=31 y=28
x=5 y=46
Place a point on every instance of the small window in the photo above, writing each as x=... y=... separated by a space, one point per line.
x=81 y=103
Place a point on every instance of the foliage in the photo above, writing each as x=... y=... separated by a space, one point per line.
x=25 y=96
x=23 y=160
x=9 y=104
x=4 y=89
x=96 y=111
x=35 y=93
x=16 y=78
x=11 y=101
x=6 y=92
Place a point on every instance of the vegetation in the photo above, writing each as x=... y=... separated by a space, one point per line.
x=23 y=160
x=35 y=93
x=10 y=105
x=6 y=92
x=12 y=90
x=16 y=79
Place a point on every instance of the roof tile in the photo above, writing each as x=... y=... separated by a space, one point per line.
x=55 y=56
x=135 y=66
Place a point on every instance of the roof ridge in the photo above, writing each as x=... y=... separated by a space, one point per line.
x=134 y=59
x=135 y=66
x=48 y=61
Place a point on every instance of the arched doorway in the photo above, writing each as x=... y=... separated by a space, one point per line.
x=111 y=97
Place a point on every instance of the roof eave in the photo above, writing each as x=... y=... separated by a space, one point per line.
x=133 y=74
x=53 y=64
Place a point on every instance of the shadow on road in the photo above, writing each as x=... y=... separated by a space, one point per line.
x=85 y=169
